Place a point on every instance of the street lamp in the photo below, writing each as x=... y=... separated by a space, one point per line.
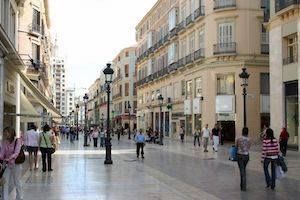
x=129 y=108
x=244 y=83
x=77 y=110
x=108 y=72
x=161 y=99
x=85 y=99
x=73 y=117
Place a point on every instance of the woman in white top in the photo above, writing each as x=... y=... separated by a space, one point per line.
x=31 y=140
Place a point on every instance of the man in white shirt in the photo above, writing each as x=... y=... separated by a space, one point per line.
x=205 y=135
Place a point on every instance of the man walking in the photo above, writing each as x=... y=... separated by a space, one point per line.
x=205 y=135
x=140 y=141
x=215 y=136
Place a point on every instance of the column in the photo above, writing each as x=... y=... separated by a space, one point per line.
x=1 y=92
x=18 y=104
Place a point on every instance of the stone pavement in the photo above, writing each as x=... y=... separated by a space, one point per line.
x=173 y=171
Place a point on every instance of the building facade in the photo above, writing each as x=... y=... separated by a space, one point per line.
x=192 y=52
x=123 y=89
x=94 y=104
x=284 y=28
x=59 y=73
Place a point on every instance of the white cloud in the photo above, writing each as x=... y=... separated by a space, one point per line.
x=91 y=33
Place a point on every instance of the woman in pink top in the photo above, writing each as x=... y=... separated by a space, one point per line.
x=9 y=152
x=270 y=152
x=95 y=135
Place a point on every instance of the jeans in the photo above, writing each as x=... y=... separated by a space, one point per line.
x=242 y=161
x=205 y=143
x=196 y=138
x=13 y=179
x=101 y=141
x=270 y=181
x=283 y=146
x=182 y=138
x=46 y=153
x=139 y=146
x=95 y=141
x=216 y=142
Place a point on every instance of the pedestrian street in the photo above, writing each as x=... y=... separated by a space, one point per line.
x=173 y=171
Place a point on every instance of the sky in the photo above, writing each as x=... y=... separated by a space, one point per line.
x=91 y=33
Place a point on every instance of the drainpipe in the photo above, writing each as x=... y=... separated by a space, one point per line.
x=18 y=105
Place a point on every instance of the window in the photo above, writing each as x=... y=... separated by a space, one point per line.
x=126 y=54
x=120 y=90
x=126 y=89
x=4 y=13
x=201 y=39
x=225 y=84
x=172 y=53
x=192 y=6
x=183 y=12
x=126 y=70
x=35 y=52
x=292 y=49
x=36 y=21
x=198 y=87
x=176 y=90
x=172 y=19
x=264 y=83
x=183 y=88
x=152 y=96
x=225 y=33
x=189 y=88
x=183 y=48
x=192 y=43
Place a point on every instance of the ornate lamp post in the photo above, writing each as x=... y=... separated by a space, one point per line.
x=85 y=99
x=129 y=108
x=244 y=83
x=161 y=99
x=102 y=120
x=108 y=72
x=77 y=110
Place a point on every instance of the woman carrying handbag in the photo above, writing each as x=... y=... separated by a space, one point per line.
x=46 y=147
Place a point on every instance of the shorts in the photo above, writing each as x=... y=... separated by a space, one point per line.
x=32 y=149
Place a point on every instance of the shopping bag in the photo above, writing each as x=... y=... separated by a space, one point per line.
x=233 y=153
x=279 y=172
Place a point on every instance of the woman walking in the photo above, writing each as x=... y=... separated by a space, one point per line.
x=31 y=141
x=9 y=152
x=95 y=135
x=283 y=140
x=270 y=151
x=46 y=143
x=243 y=144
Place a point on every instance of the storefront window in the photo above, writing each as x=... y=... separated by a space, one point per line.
x=188 y=89
x=197 y=122
x=225 y=84
x=292 y=112
x=198 y=87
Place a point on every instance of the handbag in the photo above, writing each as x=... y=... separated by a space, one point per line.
x=21 y=156
x=51 y=149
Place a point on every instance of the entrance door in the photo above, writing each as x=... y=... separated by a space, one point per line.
x=229 y=130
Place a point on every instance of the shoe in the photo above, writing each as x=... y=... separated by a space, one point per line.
x=50 y=170
x=137 y=156
x=44 y=170
x=205 y=151
x=273 y=188
x=143 y=157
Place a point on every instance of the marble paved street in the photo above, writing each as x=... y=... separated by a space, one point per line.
x=171 y=172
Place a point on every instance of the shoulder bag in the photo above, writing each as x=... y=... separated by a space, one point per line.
x=51 y=149
x=21 y=157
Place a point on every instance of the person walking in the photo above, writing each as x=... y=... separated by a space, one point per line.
x=243 y=144
x=9 y=152
x=72 y=134
x=222 y=134
x=181 y=134
x=46 y=143
x=283 y=140
x=31 y=141
x=95 y=135
x=140 y=142
x=196 y=135
x=205 y=135
x=215 y=137
x=102 y=135
x=270 y=152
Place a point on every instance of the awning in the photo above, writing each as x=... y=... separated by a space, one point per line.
x=27 y=111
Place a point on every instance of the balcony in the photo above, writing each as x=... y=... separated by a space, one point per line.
x=199 y=12
x=181 y=26
x=199 y=54
x=117 y=95
x=225 y=48
x=173 y=32
x=181 y=62
x=221 y=4
x=189 y=58
x=189 y=20
x=290 y=60
x=173 y=67
x=34 y=28
x=282 y=4
x=166 y=38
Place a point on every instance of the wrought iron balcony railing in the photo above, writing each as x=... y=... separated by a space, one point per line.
x=221 y=4
x=223 y=48
x=199 y=12
x=189 y=19
x=199 y=54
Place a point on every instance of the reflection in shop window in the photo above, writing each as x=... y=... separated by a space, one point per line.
x=225 y=84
